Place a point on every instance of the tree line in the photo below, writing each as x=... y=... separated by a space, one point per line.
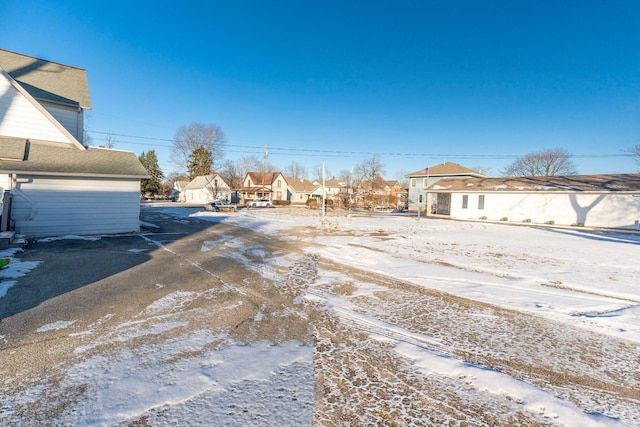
x=198 y=149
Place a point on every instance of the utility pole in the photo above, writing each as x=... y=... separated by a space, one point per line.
x=264 y=169
x=323 y=192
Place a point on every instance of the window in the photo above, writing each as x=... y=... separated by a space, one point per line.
x=465 y=201
x=425 y=182
x=481 y=201
x=420 y=198
x=413 y=182
x=279 y=184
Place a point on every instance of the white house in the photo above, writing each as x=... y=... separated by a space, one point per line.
x=178 y=195
x=609 y=201
x=207 y=188
x=419 y=181
x=268 y=185
x=301 y=190
x=54 y=184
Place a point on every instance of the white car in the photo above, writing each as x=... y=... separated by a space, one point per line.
x=260 y=203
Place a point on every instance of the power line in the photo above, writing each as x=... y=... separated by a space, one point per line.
x=309 y=152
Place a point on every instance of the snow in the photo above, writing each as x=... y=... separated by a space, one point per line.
x=60 y=324
x=585 y=281
x=16 y=269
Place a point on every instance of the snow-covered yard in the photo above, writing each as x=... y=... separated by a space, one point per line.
x=400 y=321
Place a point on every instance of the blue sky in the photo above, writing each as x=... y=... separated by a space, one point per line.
x=418 y=82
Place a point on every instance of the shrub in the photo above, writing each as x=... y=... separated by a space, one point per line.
x=551 y=222
x=483 y=217
x=527 y=220
x=504 y=218
x=580 y=224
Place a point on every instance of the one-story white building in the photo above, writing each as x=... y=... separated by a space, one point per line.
x=609 y=201
x=207 y=188
x=50 y=182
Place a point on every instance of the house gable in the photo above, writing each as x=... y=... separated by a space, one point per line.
x=48 y=81
x=22 y=116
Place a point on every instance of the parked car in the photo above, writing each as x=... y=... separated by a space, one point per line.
x=260 y=203
x=220 y=206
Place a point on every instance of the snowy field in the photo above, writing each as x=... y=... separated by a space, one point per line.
x=411 y=322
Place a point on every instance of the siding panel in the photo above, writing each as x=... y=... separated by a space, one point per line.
x=20 y=118
x=592 y=210
x=47 y=206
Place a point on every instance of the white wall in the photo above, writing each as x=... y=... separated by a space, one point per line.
x=593 y=210
x=20 y=118
x=71 y=118
x=49 y=206
x=279 y=188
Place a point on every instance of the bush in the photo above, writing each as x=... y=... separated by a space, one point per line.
x=551 y=222
x=580 y=224
x=504 y=218
x=483 y=217
x=528 y=220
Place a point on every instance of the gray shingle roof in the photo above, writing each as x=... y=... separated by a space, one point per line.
x=574 y=183
x=445 y=169
x=42 y=158
x=46 y=80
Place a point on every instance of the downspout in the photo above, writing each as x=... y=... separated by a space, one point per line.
x=18 y=192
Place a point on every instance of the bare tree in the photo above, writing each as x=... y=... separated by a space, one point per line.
x=550 y=162
x=295 y=170
x=110 y=140
x=635 y=153
x=368 y=178
x=370 y=169
x=197 y=135
x=481 y=169
x=233 y=172
x=317 y=173
x=177 y=176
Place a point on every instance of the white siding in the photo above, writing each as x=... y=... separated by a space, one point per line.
x=592 y=210
x=69 y=117
x=48 y=206
x=20 y=118
x=199 y=195
x=5 y=182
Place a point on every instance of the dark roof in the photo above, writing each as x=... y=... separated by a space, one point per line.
x=47 y=158
x=301 y=185
x=574 y=183
x=267 y=178
x=46 y=80
x=445 y=169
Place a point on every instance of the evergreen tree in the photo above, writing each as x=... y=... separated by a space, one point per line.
x=151 y=185
x=200 y=162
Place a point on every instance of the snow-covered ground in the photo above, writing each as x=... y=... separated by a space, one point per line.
x=421 y=322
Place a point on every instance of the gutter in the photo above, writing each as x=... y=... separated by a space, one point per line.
x=73 y=174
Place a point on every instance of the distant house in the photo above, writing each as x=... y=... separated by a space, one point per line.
x=52 y=183
x=380 y=192
x=268 y=185
x=610 y=201
x=332 y=186
x=301 y=190
x=207 y=188
x=419 y=181
x=178 y=195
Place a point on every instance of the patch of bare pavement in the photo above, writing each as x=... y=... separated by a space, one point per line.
x=187 y=279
